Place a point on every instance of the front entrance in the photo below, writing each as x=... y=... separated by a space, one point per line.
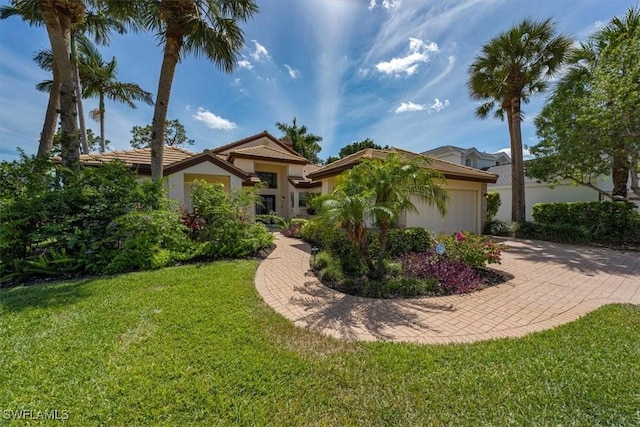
x=267 y=206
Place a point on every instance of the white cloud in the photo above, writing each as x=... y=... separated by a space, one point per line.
x=243 y=63
x=405 y=107
x=438 y=105
x=387 y=4
x=293 y=73
x=419 y=52
x=260 y=52
x=212 y=121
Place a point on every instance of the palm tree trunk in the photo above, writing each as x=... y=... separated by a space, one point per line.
x=59 y=32
x=50 y=118
x=103 y=143
x=633 y=171
x=172 y=48
x=76 y=82
x=517 y=169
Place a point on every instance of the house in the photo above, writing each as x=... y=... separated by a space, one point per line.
x=466 y=186
x=471 y=157
x=260 y=158
x=540 y=192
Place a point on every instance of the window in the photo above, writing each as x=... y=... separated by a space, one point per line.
x=302 y=200
x=498 y=163
x=467 y=162
x=269 y=178
x=291 y=197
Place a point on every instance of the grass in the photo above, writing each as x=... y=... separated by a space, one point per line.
x=195 y=345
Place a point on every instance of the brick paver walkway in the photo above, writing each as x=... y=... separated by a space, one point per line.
x=553 y=284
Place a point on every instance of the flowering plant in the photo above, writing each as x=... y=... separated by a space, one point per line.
x=472 y=249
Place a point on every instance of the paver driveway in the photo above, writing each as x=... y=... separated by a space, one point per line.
x=553 y=284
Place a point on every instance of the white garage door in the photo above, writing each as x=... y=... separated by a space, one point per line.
x=462 y=214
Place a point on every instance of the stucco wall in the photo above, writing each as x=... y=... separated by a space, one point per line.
x=541 y=193
x=175 y=183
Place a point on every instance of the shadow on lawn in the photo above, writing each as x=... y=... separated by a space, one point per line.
x=44 y=295
x=349 y=315
x=586 y=259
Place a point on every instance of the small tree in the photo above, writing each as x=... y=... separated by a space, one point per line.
x=304 y=143
x=379 y=191
x=354 y=148
x=175 y=135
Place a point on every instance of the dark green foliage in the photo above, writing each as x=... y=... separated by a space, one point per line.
x=564 y=233
x=293 y=227
x=175 y=135
x=606 y=222
x=403 y=241
x=526 y=230
x=228 y=231
x=493 y=204
x=497 y=228
x=353 y=148
x=58 y=221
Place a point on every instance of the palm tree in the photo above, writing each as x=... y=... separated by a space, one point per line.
x=64 y=20
x=99 y=79
x=511 y=67
x=306 y=144
x=201 y=27
x=377 y=192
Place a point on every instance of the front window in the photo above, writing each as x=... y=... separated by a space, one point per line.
x=269 y=178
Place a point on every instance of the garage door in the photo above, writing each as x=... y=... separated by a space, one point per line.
x=462 y=214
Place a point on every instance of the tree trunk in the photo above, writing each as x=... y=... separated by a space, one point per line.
x=620 y=175
x=103 y=142
x=634 y=167
x=50 y=118
x=76 y=82
x=382 y=249
x=170 y=59
x=58 y=29
x=517 y=160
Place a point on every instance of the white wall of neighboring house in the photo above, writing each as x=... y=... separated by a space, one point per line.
x=541 y=193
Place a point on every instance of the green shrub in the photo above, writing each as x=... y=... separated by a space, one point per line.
x=402 y=241
x=526 y=230
x=471 y=249
x=322 y=260
x=410 y=287
x=563 y=233
x=293 y=227
x=497 y=228
x=331 y=275
x=607 y=222
x=493 y=204
x=228 y=230
x=52 y=213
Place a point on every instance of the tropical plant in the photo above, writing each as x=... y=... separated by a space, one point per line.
x=302 y=142
x=99 y=79
x=379 y=191
x=510 y=69
x=201 y=27
x=175 y=135
x=590 y=126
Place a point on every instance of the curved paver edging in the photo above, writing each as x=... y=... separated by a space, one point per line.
x=554 y=284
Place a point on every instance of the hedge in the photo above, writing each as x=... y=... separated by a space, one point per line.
x=606 y=222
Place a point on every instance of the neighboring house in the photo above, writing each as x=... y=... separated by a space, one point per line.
x=466 y=186
x=260 y=158
x=468 y=156
x=540 y=192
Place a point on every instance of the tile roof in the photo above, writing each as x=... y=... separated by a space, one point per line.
x=137 y=157
x=448 y=169
x=266 y=152
x=264 y=134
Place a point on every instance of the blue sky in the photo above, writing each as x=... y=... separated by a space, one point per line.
x=391 y=70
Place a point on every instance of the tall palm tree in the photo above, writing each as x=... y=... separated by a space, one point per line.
x=99 y=79
x=304 y=143
x=511 y=67
x=64 y=21
x=201 y=27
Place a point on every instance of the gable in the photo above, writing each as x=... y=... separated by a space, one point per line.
x=263 y=138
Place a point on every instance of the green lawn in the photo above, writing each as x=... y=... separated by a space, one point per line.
x=195 y=345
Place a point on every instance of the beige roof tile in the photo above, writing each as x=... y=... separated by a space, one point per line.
x=267 y=153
